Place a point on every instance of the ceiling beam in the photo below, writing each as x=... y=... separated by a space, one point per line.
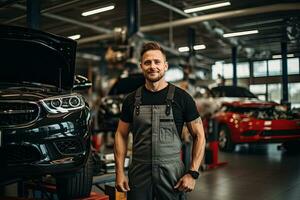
x=71 y=21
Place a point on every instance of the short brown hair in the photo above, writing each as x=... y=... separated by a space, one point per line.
x=152 y=46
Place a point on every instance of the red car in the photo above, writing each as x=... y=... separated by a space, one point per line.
x=243 y=118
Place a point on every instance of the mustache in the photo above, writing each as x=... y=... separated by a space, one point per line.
x=152 y=70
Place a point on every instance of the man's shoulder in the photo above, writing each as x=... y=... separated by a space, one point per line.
x=129 y=97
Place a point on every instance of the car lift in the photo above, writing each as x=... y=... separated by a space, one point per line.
x=39 y=189
x=212 y=138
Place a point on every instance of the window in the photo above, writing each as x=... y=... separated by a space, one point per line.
x=274 y=67
x=174 y=74
x=260 y=90
x=294 y=94
x=260 y=68
x=274 y=92
x=293 y=65
x=228 y=70
x=217 y=69
x=243 y=70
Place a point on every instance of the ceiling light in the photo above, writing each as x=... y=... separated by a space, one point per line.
x=183 y=49
x=207 y=7
x=75 y=37
x=98 y=10
x=279 y=56
x=226 y=35
x=199 y=47
x=196 y=47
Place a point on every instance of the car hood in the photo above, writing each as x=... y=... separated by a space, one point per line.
x=246 y=102
x=36 y=57
x=28 y=95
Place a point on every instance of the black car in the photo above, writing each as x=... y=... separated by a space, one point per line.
x=110 y=107
x=44 y=124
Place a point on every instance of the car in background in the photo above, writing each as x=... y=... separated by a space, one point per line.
x=110 y=107
x=44 y=124
x=243 y=118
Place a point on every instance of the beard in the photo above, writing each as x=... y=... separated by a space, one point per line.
x=154 y=77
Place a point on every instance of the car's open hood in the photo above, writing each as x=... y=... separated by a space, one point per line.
x=243 y=102
x=33 y=56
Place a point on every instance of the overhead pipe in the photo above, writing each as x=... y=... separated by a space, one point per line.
x=223 y=15
x=193 y=20
x=216 y=32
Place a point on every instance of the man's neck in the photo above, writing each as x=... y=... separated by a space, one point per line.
x=156 y=86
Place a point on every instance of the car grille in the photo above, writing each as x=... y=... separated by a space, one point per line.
x=281 y=132
x=19 y=154
x=70 y=146
x=17 y=113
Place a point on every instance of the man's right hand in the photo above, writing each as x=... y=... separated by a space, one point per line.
x=122 y=183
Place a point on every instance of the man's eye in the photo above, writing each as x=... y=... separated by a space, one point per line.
x=157 y=62
x=147 y=63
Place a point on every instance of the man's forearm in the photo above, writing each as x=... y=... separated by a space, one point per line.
x=120 y=151
x=196 y=129
x=198 y=151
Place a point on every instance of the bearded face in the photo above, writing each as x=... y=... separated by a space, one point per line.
x=154 y=65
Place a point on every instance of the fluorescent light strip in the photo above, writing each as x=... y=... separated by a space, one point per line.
x=75 y=37
x=207 y=7
x=98 y=10
x=196 y=47
x=279 y=56
x=183 y=49
x=199 y=47
x=226 y=35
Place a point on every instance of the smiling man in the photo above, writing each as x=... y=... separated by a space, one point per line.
x=155 y=114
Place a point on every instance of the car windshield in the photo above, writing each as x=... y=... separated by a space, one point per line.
x=231 y=91
x=127 y=85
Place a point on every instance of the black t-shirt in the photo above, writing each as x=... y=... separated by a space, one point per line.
x=183 y=106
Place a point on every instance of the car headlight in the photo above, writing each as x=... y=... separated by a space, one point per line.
x=63 y=104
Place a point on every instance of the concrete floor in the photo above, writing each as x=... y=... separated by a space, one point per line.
x=259 y=172
x=256 y=172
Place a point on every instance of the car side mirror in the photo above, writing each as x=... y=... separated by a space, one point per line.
x=81 y=83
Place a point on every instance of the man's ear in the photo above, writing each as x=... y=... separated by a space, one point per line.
x=166 y=66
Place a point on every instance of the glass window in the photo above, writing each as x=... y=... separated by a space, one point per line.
x=258 y=88
x=217 y=68
x=293 y=65
x=274 y=67
x=274 y=92
x=262 y=97
x=174 y=74
x=228 y=70
x=243 y=70
x=294 y=94
x=259 y=68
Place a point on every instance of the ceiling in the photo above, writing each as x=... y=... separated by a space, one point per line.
x=64 y=18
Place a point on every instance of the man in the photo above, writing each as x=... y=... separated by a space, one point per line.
x=155 y=114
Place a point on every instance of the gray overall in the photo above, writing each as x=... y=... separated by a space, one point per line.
x=156 y=164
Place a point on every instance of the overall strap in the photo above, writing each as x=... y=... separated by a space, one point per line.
x=169 y=99
x=138 y=100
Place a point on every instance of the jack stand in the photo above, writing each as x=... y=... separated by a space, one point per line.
x=214 y=146
x=215 y=150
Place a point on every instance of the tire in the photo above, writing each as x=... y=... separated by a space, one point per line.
x=77 y=184
x=225 y=141
x=292 y=146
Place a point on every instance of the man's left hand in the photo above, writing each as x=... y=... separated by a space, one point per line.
x=186 y=183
